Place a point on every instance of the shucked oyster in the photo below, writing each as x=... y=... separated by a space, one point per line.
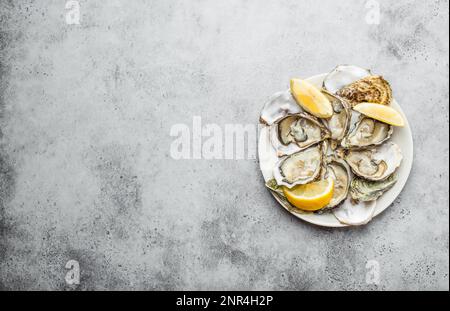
x=365 y=190
x=296 y=132
x=279 y=106
x=299 y=168
x=341 y=173
x=367 y=132
x=339 y=122
x=376 y=163
x=372 y=89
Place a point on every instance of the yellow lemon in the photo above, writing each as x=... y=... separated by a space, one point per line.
x=381 y=113
x=311 y=98
x=311 y=197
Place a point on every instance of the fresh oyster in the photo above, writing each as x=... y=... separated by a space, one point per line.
x=339 y=170
x=376 y=163
x=296 y=132
x=372 y=89
x=279 y=106
x=367 y=132
x=299 y=168
x=342 y=76
x=354 y=213
x=365 y=190
x=339 y=122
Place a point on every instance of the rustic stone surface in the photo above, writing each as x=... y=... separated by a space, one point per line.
x=85 y=166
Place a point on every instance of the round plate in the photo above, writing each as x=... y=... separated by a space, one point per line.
x=402 y=137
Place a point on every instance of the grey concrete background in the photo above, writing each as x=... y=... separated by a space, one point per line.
x=85 y=168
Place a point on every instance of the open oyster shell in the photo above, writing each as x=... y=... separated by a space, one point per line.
x=279 y=106
x=299 y=168
x=365 y=190
x=355 y=213
x=376 y=163
x=339 y=122
x=367 y=132
x=339 y=170
x=296 y=132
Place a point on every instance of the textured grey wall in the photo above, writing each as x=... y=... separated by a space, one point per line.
x=85 y=166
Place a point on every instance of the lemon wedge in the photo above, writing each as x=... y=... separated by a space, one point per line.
x=311 y=98
x=381 y=113
x=311 y=197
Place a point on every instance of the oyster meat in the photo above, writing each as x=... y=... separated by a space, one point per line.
x=296 y=132
x=376 y=163
x=339 y=122
x=299 y=168
x=342 y=76
x=279 y=106
x=365 y=190
x=371 y=89
x=367 y=132
x=341 y=173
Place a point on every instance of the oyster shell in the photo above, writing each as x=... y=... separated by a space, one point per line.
x=272 y=185
x=372 y=89
x=339 y=122
x=294 y=133
x=339 y=170
x=279 y=106
x=299 y=168
x=342 y=76
x=354 y=213
x=365 y=190
x=376 y=163
x=367 y=132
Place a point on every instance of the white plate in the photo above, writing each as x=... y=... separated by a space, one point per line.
x=402 y=137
